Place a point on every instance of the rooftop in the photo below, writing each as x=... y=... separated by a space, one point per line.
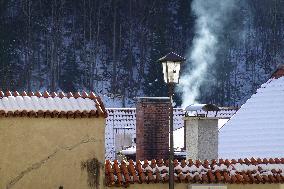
x=123 y=121
x=257 y=129
x=243 y=171
x=51 y=105
x=172 y=57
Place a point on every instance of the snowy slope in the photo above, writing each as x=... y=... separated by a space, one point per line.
x=257 y=129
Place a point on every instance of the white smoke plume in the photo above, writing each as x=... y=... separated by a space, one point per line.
x=211 y=15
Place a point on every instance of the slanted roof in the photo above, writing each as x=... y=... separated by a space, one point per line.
x=173 y=57
x=243 y=171
x=51 y=105
x=257 y=129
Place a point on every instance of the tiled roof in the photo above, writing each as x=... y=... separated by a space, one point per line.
x=119 y=121
x=243 y=171
x=123 y=121
x=257 y=129
x=51 y=105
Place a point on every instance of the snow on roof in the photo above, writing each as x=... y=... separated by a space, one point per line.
x=119 y=121
x=132 y=151
x=243 y=171
x=123 y=121
x=210 y=110
x=54 y=105
x=204 y=107
x=129 y=151
x=257 y=129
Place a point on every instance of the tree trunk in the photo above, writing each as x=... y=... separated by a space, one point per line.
x=114 y=65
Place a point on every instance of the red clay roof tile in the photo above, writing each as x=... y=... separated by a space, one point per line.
x=181 y=177
x=253 y=161
x=247 y=161
x=61 y=94
x=16 y=93
x=38 y=94
x=233 y=161
x=46 y=94
x=243 y=171
x=271 y=161
x=259 y=161
x=277 y=160
x=69 y=95
x=77 y=95
x=227 y=178
x=92 y=95
x=85 y=94
x=53 y=94
x=8 y=93
x=31 y=94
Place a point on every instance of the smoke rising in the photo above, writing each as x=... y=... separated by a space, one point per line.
x=211 y=16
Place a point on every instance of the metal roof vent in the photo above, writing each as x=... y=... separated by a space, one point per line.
x=201 y=110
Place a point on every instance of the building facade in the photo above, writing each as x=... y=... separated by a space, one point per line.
x=51 y=140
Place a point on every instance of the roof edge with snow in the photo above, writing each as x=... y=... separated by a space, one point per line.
x=54 y=105
x=243 y=171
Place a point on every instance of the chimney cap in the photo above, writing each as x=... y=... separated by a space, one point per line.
x=204 y=107
x=152 y=99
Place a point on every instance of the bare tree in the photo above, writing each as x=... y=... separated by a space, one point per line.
x=114 y=58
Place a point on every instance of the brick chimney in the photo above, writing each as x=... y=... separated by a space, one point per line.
x=152 y=128
x=201 y=138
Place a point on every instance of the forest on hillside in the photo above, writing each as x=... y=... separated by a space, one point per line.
x=112 y=47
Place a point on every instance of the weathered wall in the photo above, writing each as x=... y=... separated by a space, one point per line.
x=201 y=138
x=48 y=152
x=191 y=139
x=255 y=186
x=187 y=186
